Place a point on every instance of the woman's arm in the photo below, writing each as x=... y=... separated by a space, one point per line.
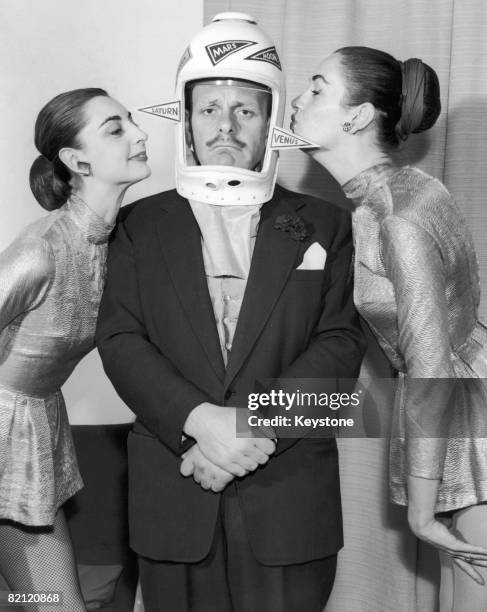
x=414 y=264
x=26 y=272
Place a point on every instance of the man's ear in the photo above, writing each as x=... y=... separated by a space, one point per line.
x=363 y=117
x=73 y=159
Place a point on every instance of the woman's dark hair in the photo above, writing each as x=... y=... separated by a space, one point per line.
x=57 y=126
x=407 y=93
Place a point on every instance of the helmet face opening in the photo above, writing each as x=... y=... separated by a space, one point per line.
x=231 y=85
x=227 y=123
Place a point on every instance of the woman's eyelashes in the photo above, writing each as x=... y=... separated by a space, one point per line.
x=117 y=129
x=114 y=128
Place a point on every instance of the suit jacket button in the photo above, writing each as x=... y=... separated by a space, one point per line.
x=228 y=394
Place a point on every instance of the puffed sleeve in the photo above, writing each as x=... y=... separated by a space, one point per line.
x=26 y=272
x=413 y=263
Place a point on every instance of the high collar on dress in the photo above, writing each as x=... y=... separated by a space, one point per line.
x=93 y=227
x=361 y=187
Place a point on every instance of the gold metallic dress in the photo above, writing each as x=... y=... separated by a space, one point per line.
x=51 y=280
x=417 y=286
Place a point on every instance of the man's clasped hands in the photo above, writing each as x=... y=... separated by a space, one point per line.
x=219 y=455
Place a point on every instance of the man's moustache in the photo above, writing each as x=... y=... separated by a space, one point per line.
x=225 y=141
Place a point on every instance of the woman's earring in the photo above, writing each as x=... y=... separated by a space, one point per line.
x=347 y=126
x=84 y=168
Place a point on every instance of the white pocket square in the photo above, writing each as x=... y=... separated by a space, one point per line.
x=314 y=258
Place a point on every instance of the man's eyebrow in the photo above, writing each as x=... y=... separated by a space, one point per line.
x=111 y=118
x=319 y=76
x=238 y=104
x=208 y=102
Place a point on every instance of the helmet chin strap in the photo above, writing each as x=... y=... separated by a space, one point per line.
x=192 y=147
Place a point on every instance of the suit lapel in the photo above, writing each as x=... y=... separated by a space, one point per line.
x=273 y=260
x=180 y=241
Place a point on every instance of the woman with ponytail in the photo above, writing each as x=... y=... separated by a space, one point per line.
x=51 y=279
x=417 y=287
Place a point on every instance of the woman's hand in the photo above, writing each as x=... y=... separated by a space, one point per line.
x=423 y=493
x=464 y=554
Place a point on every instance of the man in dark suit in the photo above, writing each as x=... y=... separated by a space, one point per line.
x=207 y=298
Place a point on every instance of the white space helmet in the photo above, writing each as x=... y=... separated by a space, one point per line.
x=231 y=47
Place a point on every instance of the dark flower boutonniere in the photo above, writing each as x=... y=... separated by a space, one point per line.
x=295 y=226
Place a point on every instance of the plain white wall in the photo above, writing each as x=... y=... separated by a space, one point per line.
x=131 y=49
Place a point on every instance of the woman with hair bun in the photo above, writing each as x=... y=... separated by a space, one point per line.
x=51 y=279
x=417 y=286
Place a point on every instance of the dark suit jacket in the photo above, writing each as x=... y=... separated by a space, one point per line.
x=160 y=348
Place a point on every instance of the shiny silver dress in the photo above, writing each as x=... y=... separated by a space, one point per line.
x=51 y=280
x=417 y=286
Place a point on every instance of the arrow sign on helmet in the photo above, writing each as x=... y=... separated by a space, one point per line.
x=168 y=110
x=283 y=139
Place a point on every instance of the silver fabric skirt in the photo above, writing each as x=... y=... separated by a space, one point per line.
x=464 y=478
x=38 y=467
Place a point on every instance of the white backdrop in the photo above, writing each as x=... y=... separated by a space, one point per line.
x=131 y=49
